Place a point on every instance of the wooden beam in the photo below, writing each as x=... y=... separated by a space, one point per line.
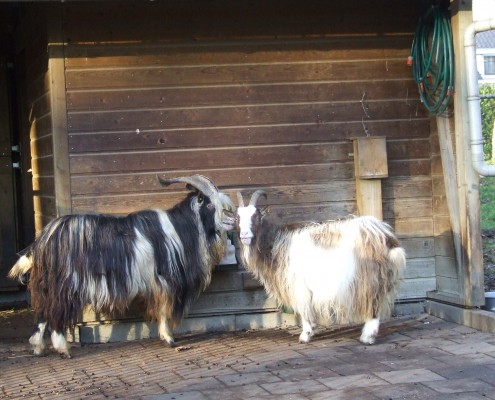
x=56 y=70
x=470 y=273
x=445 y=128
x=370 y=164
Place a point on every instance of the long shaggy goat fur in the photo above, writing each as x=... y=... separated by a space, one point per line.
x=344 y=271
x=163 y=257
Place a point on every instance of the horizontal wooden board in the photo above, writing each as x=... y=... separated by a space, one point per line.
x=311 y=132
x=416 y=288
x=312 y=213
x=446 y=267
x=45 y=206
x=408 y=168
x=229 y=157
x=442 y=225
x=296 y=175
x=418 y=247
x=41 y=126
x=238 y=178
x=407 y=208
x=238 y=93
x=413 y=227
x=419 y=268
x=153 y=55
x=448 y=285
x=232 y=116
x=440 y=206
x=43 y=183
x=280 y=214
x=42 y=166
x=406 y=188
x=438 y=183
x=278 y=195
x=444 y=245
x=277 y=72
x=226 y=158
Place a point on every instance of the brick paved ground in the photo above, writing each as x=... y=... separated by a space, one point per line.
x=415 y=358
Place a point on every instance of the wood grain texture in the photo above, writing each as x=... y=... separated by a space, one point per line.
x=261 y=102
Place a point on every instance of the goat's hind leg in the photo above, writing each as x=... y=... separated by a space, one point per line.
x=164 y=328
x=370 y=331
x=37 y=340
x=307 y=329
x=60 y=344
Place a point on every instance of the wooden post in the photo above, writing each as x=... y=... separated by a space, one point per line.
x=56 y=69
x=471 y=271
x=370 y=165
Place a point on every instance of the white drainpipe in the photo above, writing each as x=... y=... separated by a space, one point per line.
x=473 y=96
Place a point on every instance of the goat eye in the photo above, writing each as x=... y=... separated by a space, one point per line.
x=201 y=198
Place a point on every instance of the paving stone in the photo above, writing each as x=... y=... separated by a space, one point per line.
x=403 y=391
x=461 y=396
x=479 y=371
x=237 y=392
x=247 y=378
x=290 y=396
x=459 y=386
x=352 y=381
x=466 y=359
x=303 y=386
x=177 y=396
x=195 y=384
x=467 y=348
x=345 y=394
x=409 y=376
x=295 y=374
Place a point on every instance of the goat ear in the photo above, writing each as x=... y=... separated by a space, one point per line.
x=264 y=211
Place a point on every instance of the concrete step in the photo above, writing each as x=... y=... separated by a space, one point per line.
x=230 y=291
x=119 y=331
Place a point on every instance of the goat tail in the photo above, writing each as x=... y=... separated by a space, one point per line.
x=21 y=268
x=397 y=257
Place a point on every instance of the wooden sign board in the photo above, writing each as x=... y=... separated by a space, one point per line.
x=370 y=157
x=370 y=165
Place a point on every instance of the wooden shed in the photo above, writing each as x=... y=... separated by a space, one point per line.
x=96 y=98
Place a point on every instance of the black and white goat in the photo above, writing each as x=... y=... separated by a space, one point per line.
x=163 y=257
x=345 y=271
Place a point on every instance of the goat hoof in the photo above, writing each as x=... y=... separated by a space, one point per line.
x=367 y=340
x=171 y=343
x=305 y=337
x=65 y=356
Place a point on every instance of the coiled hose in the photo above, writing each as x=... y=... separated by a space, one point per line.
x=432 y=60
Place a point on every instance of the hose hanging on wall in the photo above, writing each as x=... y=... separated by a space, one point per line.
x=432 y=60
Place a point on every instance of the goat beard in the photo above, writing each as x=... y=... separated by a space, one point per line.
x=228 y=220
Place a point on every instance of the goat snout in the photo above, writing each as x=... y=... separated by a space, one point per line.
x=228 y=220
x=246 y=237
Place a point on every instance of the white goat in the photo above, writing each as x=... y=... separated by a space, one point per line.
x=344 y=271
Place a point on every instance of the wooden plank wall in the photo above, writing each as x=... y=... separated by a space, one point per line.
x=254 y=95
x=34 y=116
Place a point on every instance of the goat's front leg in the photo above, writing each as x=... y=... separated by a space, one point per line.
x=60 y=344
x=370 y=331
x=307 y=330
x=164 y=329
x=37 y=341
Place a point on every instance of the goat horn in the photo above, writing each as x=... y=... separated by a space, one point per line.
x=240 y=199
x=256 y=195
x=200 y=182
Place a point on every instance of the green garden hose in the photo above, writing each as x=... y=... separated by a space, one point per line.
x=432 y=60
